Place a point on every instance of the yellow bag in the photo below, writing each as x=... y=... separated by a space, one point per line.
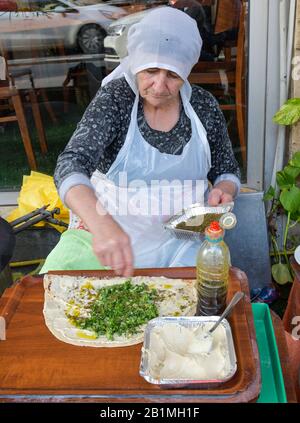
x=37 y=191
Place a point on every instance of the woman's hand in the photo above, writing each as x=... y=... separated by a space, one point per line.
x=110 y=243
x=112 y=247
x=217 y=196
x=221 y=193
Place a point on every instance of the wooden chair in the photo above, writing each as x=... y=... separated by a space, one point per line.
x=42 y=92
x=10 y=95
x=227 y=15
x=77 y=80
x=229 y=72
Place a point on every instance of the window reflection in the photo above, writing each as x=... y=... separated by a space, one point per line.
x=70 y=45
x=37 y=24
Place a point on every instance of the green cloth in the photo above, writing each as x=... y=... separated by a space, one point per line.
x=74 y=251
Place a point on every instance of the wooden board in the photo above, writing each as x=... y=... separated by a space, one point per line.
x=35 y=366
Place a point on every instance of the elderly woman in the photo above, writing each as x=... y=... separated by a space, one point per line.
x=147 y=123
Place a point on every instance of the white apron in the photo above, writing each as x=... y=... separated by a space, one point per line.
x=152 y=245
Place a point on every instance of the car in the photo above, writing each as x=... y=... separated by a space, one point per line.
x=115 y=43
x=136 y=5
x=79 y=24
x=8 y=5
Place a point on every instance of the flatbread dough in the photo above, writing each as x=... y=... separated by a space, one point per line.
x=61 y=291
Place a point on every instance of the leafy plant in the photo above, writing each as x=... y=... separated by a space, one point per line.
x=289 y=113
x=285 y=198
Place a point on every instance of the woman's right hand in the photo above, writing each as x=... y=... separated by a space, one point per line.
x=112 y=247
x=111 y=244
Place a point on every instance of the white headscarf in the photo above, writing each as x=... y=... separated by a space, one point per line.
x=165 y=38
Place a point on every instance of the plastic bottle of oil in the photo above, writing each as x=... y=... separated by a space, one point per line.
x=213 y=264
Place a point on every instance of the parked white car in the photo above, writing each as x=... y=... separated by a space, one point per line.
x=43 y=23
x=115 y=44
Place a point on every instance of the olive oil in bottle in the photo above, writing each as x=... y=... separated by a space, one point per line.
x=213 y=264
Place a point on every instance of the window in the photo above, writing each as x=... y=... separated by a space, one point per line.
x=68 y=46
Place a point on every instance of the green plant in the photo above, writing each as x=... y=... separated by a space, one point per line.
x=285 y=198
x=289 y=113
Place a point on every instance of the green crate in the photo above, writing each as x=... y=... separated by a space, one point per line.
x=273 y=390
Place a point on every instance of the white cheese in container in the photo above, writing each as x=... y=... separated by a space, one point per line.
x=180 y=352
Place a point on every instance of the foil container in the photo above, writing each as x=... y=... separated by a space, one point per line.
x=193 y=211
x=192 y=323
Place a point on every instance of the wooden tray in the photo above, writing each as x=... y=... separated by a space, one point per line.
x=35 y=366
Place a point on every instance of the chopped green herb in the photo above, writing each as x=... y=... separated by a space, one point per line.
x=207 y=219
x=120 y=310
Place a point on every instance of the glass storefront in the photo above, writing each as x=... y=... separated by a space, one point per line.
x=55 y=54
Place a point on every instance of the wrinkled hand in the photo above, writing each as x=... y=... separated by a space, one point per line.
x=112 y=247
x=217 y=196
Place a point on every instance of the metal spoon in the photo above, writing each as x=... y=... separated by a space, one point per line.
x=206 y=338
x=236 y=298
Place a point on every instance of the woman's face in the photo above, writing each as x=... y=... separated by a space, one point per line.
x=159 y=87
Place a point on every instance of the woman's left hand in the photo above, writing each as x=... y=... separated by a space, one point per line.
x=217 y=196
x=222 y=193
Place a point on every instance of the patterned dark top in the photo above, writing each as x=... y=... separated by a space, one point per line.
x=102 y=130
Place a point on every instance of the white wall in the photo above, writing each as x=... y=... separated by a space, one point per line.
x=273 y=88
x=264 y=85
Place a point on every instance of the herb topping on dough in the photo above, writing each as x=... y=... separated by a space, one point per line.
x=114 y=310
